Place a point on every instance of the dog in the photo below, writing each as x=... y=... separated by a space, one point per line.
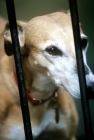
x=51 y=77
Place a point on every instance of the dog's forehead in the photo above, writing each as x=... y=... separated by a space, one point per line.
x=55 y=27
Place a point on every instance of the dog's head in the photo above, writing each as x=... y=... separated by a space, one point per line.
x=48 y=47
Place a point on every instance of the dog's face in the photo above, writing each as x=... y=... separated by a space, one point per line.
x=48 y=46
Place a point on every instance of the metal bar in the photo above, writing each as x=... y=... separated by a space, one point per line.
x=81 y=71
x=18 y=63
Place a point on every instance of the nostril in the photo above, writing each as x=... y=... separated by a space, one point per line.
x=84 y=42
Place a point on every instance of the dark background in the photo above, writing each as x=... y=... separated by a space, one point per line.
x=26 y=9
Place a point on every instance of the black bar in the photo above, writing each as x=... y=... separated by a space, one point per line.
x=81 y=71
x=18 y=63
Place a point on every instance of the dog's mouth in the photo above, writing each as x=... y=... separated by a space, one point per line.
x=90 y=92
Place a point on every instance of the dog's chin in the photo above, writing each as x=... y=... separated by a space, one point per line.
x=77 y=96
x=74 y=93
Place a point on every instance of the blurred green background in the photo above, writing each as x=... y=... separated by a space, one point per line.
x=26 y=9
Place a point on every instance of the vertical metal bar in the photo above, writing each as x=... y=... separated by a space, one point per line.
x=18 y=63
x=81 y=71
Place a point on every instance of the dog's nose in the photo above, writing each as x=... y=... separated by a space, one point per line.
x=90 y=92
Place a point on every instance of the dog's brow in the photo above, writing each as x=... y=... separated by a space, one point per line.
x=49 y=43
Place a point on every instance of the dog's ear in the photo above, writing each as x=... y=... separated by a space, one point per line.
x=7 y=37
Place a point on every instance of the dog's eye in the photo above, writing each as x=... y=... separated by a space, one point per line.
x=53 y=51
x=84 y=42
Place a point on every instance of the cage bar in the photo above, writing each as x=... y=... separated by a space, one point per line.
x=19 y=70
x=81 y=71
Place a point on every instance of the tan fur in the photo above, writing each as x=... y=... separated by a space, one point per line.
x=10 y=111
